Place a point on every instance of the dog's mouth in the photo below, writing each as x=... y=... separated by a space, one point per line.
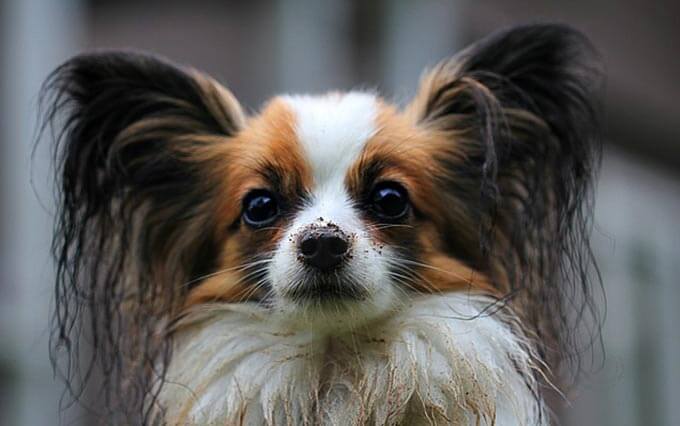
x=326 y=287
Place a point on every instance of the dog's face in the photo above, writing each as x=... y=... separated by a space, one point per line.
x=334 y=202
x=330 y=209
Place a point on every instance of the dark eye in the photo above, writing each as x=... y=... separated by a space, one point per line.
x=260 y=208
x=389 y=200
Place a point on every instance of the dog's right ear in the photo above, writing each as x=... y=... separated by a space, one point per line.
x=134 y=134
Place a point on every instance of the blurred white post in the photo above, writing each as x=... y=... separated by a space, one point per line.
x=418 y=34
x=37 y=35
x=637 y=243
x=313 y=52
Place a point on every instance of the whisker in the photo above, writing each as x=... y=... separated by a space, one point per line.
x=241 y=279
x=400 y=260
x=417 y=282
x=224 y=271
x=270 y=228
x=258 y=285
x=388 y=225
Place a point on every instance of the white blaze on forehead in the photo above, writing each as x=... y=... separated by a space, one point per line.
x=332 y=131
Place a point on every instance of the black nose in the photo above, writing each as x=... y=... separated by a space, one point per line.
x=323 y=248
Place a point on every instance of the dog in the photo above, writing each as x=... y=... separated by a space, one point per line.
x=331 y=259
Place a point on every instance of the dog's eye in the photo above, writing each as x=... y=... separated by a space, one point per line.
x=389 y=200
x=260 y=208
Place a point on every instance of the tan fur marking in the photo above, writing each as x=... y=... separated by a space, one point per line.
x=409 y=154
x=268 y=142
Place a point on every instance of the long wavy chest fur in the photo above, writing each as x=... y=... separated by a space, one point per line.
x=436 y=361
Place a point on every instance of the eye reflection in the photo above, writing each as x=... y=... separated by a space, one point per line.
x=389 y=201
x=260 y=208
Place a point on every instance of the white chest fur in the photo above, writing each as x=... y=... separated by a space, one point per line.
x=435 y=361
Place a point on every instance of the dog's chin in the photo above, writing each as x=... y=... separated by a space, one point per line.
x=333 y=302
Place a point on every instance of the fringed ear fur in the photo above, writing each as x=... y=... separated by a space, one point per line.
x=521 y=107
x=134 y=218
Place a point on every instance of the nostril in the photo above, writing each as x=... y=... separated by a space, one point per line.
x=323 y=248
x=309 y=246
x=335 y=245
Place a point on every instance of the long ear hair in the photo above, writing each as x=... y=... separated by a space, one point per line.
x=134 y=134
x=521 y=105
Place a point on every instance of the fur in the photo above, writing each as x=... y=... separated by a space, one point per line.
x=170 y=308
x=439 y=360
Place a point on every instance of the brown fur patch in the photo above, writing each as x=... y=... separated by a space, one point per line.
x=265 y=155
x=403 y=152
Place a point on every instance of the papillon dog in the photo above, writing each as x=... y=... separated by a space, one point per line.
x=332 y=259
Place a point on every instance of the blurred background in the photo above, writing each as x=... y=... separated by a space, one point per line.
x=261 y=48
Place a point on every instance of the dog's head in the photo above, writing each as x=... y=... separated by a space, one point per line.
x=329 y=210
x=337 y=207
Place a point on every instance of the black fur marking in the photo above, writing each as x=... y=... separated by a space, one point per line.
x=133 y=222
x=522 y=105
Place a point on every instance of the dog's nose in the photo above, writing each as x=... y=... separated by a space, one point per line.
x=324 y=248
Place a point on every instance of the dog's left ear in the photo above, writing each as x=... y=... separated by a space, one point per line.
x=519 y=110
